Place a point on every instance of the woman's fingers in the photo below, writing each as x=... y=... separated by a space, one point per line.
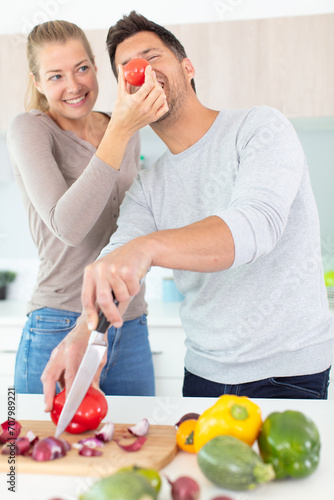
x=64 y=362
x=122 y=85
x=49 y=378
x=142 y=107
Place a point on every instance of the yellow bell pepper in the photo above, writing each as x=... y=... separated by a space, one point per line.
x=236 y=416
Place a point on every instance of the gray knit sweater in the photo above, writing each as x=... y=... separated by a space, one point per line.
x=72 y=200
x=268 y=314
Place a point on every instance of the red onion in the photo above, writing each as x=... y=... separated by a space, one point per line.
x=10 y=429
x=106 y=433
x=184 y=488
x=187 y=416
x=66 y=444
x=32 y=438
x=21 y=446
x=140 y=429
x=91 y=442
x=50 y=448
x=222 y=498
x=134 y=446
x=86 y=451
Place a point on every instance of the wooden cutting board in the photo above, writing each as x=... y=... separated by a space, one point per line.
x=159 y=450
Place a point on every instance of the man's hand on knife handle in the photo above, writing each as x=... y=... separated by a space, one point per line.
x=121 y=271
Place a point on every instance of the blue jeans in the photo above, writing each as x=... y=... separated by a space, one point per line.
x=313 y=386
x=129 y=368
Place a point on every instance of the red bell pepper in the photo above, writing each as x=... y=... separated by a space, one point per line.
x=88 y=416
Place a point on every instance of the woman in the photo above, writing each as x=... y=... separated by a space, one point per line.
x=73 y=166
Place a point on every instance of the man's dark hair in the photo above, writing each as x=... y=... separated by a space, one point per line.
x=134 y=23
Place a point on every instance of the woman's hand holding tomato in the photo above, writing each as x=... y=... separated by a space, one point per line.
x=134 y=111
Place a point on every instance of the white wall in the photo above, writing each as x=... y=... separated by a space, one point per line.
x=22 y=15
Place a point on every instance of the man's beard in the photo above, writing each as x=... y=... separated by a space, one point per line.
x=175 y=100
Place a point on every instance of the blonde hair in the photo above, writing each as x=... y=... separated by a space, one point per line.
x=41 y=35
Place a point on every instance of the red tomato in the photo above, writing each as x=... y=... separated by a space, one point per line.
x=134 y=71
x=88 y=416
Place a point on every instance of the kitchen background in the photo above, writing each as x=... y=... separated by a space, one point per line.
x=219 y=35
x=245 y=52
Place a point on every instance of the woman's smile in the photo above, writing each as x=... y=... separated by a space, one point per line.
x=77 y=101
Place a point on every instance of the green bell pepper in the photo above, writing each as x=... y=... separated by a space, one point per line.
x=290 y=441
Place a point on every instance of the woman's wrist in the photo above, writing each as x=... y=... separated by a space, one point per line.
x=113 y=145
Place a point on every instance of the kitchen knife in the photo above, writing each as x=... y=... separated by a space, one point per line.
x=85 y=374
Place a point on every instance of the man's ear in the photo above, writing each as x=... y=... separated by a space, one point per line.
x=189 y=68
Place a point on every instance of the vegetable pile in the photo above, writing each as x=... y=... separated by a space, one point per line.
x=223 y=437
x=288 y=445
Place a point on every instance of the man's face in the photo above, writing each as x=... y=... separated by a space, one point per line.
x=170 y=72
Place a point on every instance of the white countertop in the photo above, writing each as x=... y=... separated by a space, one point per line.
x=167 y=410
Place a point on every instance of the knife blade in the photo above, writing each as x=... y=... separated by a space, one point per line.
x=85 y=374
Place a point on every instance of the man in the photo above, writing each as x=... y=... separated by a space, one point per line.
x=229 y=207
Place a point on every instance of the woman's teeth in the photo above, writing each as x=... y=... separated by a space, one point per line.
x=75 y=101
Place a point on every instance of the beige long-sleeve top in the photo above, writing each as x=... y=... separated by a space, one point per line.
x=72 y=199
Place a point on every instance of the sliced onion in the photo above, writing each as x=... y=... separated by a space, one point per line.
x=106 y=433
x=20 y=445
x=134 y=446
x=32 y=438
x=66 y=444
x=91 y=442
x=140 y=429
x=10 y=429
x=87 y=451
x=78 y=446
x=187 y=416
x=49 y=448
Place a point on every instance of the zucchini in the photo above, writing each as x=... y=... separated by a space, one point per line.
x=233 y=464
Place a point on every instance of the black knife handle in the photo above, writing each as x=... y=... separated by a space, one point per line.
x=103 y=323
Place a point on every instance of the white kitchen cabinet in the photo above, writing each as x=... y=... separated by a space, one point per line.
x=282 y=62
x=331 y=387
x=7 y=363
x=168 y=350
x=10 y=338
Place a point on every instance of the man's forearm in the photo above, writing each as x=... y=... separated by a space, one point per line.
x=204 y=246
